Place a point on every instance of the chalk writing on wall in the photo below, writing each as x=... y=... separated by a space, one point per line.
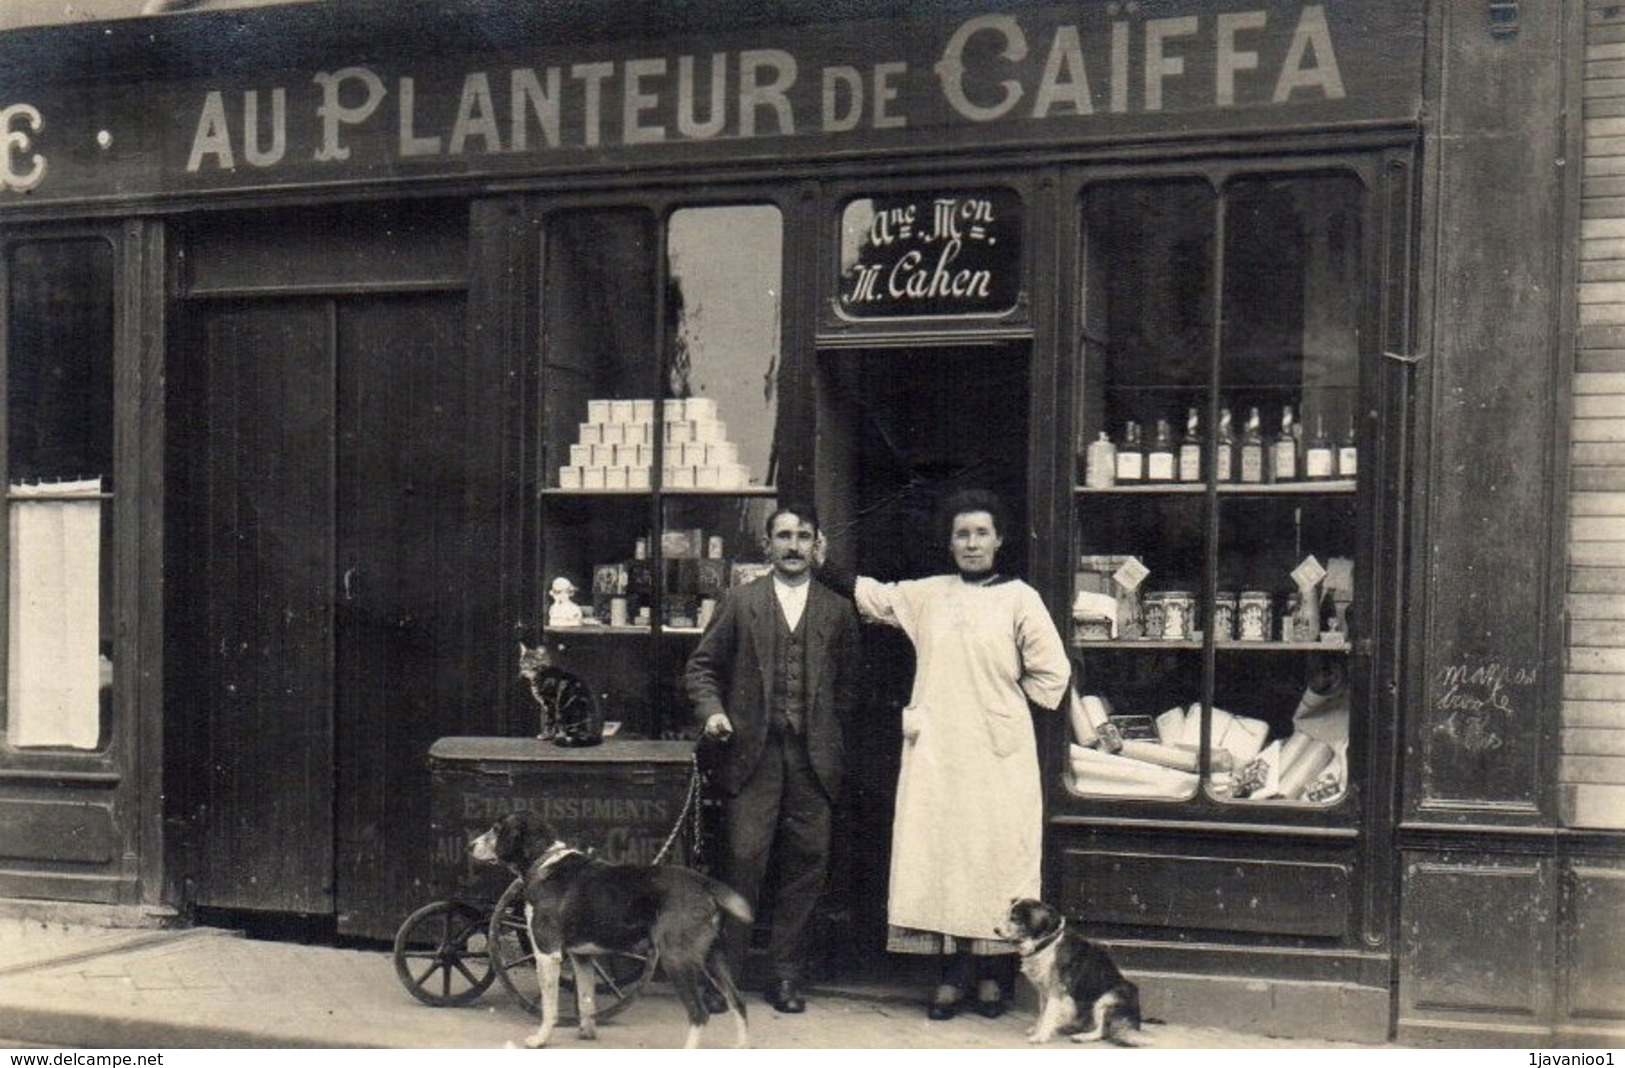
x=1478 y=700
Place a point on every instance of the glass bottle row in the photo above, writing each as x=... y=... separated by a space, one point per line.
x=1285 y=455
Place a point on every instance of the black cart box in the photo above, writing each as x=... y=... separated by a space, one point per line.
x=620 y=799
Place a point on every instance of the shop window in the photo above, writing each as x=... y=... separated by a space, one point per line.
x=59 y=461
x=660 y=395
x=1216 y=525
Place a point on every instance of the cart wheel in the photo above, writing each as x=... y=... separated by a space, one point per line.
x=620 y=976
x=442 y=953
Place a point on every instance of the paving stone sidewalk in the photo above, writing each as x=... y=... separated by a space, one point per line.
x=77 y=987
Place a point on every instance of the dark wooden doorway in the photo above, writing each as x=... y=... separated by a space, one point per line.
x=331 y=578
x=900 y=429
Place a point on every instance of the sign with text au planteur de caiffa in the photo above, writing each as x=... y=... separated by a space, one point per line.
x=1094 y=73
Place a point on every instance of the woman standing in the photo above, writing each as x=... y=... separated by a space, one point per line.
x=968 y=834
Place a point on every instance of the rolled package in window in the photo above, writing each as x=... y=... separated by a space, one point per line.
x=1088 y=714
x=1302 y=759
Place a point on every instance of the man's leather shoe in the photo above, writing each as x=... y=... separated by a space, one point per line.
x=785 y=997
x=712 y=999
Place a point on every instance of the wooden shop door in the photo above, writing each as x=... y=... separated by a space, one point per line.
x=328 y=514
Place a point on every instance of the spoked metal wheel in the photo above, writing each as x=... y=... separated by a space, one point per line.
x=619 y=976
x=442 y=953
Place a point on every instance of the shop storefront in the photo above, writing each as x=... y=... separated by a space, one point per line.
x=323 y=361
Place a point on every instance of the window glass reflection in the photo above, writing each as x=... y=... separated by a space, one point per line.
x=724 y=303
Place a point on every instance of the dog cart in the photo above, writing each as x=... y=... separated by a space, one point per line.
x=628 y=801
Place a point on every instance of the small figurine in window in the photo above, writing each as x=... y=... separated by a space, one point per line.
x=564 y=611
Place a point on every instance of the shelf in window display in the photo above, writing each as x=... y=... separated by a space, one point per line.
x=1226 y=489
x=611 y=630
x=1195 y=645
x=667 y=491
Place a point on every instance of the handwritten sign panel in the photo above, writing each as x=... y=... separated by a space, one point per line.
x=936 y=254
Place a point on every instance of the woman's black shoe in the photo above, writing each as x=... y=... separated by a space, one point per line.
x=989 y=999
x=944 y=1003
x=991 y=1009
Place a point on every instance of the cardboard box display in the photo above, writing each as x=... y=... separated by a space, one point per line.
x=686 y=544
x=711 y=577
x=743 y=572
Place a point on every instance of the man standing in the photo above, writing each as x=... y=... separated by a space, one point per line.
x=771 y=681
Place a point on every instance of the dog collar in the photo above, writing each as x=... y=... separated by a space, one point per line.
x=1051 y=939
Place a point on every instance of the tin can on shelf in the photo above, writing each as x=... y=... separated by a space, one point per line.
x=1178 y=615
x=1155 y=614
x=1224 y=615
x=1255 y=620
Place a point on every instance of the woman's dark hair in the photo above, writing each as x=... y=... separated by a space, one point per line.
x=803 y=512
x=962 y=501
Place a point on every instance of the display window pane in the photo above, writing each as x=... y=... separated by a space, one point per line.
x=1215 y=516
x=660 y=402
x=59 y=465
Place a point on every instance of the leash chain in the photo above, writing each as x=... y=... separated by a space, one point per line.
x=689 y=800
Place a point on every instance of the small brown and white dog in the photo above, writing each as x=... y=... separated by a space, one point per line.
x=580 y=905
x=1080 y=991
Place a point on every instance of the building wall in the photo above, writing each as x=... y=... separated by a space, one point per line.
x=1592 y=764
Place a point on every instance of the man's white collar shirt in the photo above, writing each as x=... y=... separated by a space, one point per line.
x=792 y=599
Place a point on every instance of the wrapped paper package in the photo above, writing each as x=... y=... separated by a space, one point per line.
x=1105 y=774
x=1171 y=726
x=1087 y=713
x=1325 y=716
x=1302 y=759
x=1178 y=757
x=1241 y=736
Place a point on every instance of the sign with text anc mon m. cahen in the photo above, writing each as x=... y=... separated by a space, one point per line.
x=1105 y=72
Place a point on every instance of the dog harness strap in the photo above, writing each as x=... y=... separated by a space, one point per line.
x=556 y=852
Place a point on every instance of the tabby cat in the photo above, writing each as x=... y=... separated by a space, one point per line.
x=570 y=713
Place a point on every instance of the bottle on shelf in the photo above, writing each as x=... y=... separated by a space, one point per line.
x=1190 y=449
x=1348 y=454
x=640 y=582
x=1250 y=453
x=1330 y=623
x=1131 y=455
x=1160 y=458
x=1284 y=450
x=1100 y=463
x=1224 y=456
x=1319 y=457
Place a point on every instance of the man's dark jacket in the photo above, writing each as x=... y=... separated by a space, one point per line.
x=731 y=671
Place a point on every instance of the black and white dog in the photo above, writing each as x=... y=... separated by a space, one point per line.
x=1080 y=991
x=582 y=906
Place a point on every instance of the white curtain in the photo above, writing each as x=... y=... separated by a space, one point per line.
x=55 y=614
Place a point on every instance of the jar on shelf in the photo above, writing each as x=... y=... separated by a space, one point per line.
x=1255 y=619
x=1224 y=615
x=1155 y=612
x=1178 y=615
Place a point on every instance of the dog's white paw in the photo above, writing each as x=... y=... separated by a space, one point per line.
x=535 y=1041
